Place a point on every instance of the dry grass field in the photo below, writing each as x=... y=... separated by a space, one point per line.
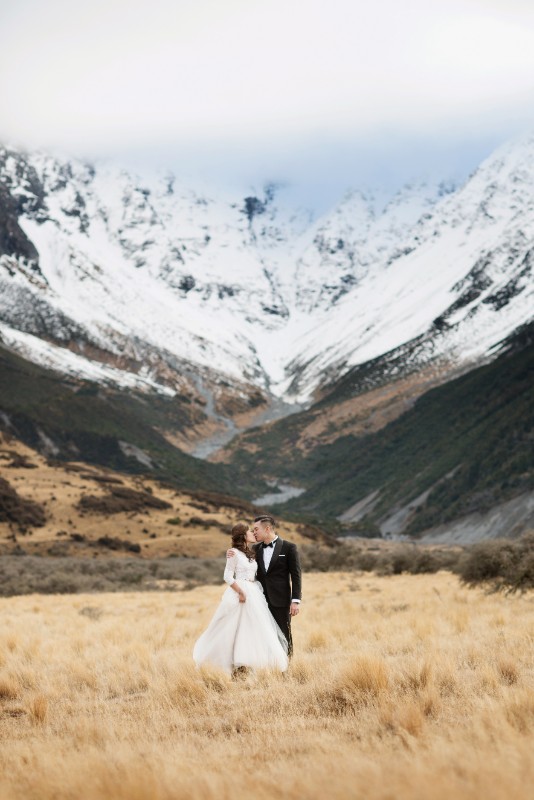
x=401 y=687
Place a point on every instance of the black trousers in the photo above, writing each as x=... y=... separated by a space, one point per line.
x=283 y=620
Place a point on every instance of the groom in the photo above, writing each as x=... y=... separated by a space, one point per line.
x=279 y=574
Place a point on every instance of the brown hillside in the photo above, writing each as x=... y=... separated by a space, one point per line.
x=88 y=511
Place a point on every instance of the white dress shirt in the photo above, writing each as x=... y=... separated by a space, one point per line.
x=268 y=553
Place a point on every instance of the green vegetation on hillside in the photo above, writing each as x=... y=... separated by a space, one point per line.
x=80 y=420
x=463 y=447
x=468 y=443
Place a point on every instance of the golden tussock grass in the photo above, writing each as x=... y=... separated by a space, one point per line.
x=396 y=691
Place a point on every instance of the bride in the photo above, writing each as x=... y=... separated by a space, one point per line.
x=242 y=632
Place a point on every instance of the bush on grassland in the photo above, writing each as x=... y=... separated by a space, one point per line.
x=23 y=574
x=119 y=499
x=501 y=564
x=404 y=557
x=65 y=575
x=16 y=509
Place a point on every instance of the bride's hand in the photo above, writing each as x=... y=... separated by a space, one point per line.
x=242 y=597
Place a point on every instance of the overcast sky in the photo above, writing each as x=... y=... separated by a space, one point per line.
x=323 y=94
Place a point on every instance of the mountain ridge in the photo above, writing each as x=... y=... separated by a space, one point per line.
x=191 y=255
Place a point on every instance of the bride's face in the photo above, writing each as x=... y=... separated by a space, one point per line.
x=250 y=538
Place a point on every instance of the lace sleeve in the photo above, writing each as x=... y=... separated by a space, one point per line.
x=229 y=570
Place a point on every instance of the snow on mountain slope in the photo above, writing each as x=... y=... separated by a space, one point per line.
x=345 y=243
x=459 y=284
x=69 y=363
x=157 y=284
x=133 y=268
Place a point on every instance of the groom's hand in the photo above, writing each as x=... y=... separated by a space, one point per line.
x=230 y=553
x=294 y=609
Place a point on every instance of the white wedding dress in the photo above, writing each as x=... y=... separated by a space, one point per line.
x=242 y=634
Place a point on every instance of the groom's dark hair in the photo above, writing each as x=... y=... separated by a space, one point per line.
x=266 y=518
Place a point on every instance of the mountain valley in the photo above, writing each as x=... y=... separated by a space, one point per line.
x=236 y=343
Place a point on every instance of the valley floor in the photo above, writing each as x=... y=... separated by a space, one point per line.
x=401 y=687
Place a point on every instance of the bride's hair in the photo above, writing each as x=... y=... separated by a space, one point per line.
x=239 y=540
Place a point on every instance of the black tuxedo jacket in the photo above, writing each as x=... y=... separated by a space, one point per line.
x=282 y=581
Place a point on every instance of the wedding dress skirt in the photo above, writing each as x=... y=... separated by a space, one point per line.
x=242 y=634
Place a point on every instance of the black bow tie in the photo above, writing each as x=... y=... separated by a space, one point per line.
x=271 y=544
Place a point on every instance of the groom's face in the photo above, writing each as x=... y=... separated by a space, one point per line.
x=260 y=531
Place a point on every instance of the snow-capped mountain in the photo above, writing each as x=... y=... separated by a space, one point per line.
x=454 y=286
x=144 y=282
x=129 y=268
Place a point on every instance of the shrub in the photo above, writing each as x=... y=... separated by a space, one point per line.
x=14 y=508
x=425 y=561
x=486 y=561
x=403 y=557
x=205 y=522
x=70 y=574
x=120 y=498
x=101 y=478
x=501 y=564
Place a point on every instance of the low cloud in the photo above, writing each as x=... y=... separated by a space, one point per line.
x=259 y=79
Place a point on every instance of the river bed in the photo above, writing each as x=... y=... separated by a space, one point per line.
x=277 y=409
x=283 y=492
